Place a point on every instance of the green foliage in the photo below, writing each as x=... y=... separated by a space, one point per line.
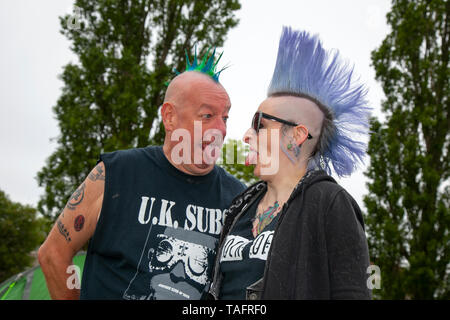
x=233 y=161
x=111 y=96
x=409 y=193
x=20 y=233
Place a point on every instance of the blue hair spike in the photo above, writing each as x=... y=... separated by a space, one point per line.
x=304 y=67
x=207 y=65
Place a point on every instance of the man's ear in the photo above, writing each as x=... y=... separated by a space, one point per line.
x=300 y=134
x=169 y=116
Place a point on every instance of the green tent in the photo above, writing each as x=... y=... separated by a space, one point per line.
x=30 y=284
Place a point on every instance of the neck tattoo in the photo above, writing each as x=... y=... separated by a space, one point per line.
x=264 y=218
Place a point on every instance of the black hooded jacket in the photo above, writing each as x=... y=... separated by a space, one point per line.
x=319 y=248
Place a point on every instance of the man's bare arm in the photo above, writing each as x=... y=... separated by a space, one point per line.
x=73 y=228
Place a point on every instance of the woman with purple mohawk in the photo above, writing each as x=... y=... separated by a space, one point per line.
x=297 y=234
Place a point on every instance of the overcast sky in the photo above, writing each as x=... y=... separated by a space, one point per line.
x=33 y=53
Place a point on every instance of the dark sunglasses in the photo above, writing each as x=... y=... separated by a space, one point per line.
x=256 y=122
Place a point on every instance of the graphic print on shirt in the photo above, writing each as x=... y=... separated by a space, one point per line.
x=176 y=257
x=237 y=248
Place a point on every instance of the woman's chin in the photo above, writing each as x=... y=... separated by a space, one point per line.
x=262 y=173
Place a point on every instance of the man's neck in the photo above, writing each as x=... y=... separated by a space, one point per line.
x=195 y=170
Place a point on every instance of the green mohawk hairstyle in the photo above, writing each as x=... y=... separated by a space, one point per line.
x=206 y=66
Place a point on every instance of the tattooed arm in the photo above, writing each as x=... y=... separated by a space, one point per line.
x=73 y=228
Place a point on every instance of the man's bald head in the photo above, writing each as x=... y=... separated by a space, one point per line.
x=184 y=88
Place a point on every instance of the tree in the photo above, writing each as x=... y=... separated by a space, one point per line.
x=409 y=194
x=21 y=232
x=233 y=161
x=126 y=53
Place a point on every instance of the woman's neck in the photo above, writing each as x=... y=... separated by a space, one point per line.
x=280 y=187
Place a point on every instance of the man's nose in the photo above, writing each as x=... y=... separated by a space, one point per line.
x=221 y=125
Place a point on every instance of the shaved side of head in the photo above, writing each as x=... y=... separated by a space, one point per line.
x=306 y=112
x=301 y=111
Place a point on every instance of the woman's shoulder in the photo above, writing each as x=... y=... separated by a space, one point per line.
x=322 y=190
x=336 y=202
x=246 y=195
x=320 y=184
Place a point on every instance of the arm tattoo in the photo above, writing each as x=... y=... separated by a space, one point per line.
x=62 y=229
x=77 y=197
x=79 y=223
x=100 y=175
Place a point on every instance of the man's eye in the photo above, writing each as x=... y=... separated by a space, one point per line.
x=206 y=116
x=225 y=119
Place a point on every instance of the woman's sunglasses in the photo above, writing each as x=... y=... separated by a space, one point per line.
x=256 y=122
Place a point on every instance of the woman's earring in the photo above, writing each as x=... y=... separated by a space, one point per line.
x=289 y=146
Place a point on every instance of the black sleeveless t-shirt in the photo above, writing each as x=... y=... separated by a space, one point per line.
x=158 y=228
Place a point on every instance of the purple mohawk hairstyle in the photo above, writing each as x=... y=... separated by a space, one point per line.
x=305 y=68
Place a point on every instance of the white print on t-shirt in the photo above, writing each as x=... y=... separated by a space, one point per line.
x=204 y=220
x=175 y=255
x=259 y=247
x=232 y=250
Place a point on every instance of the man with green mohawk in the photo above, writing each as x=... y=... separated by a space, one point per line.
x=152 y=215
